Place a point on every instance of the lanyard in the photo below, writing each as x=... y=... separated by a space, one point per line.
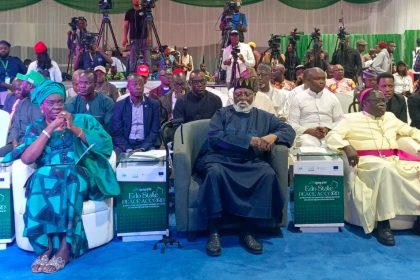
x=4 y=65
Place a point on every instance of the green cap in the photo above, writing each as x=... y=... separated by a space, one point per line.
x=32 y=77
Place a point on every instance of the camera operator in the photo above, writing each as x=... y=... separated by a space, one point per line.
x=90 y=55
x=135 y=22
x=78 y=29
x=236 y=52
x=349 y=58
x=232 y=19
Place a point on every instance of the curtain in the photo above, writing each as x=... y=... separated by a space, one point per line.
x=212 y=3
x=14 y=4
x=92 y=6
x=410 y=37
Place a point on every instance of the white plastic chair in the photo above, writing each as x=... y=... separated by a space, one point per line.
x=4 y=127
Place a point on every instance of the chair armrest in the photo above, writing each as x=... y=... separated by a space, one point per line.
x=408 y=144
x=20 y=174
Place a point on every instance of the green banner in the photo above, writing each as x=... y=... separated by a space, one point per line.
x=318 y=199
x=15 y=4
x=410 y=37
x=141 y=207
x=212 y=3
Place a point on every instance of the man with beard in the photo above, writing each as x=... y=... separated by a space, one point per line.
x=198 y=104
x=90 y=102
x=136 y=119
x=386 y=182
x=237 y=179
x=23 y=112
x=9 y=67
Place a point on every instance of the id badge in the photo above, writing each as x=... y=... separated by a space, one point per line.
x=7 y=80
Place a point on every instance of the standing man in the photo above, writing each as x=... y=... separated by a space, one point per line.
x=135 y=21
x=361 y=47
x=383 y=61
x=238 y=20
x=9 y=67
x=186 y=61
x=349 y=58
x=245 y=57
x=199 y=103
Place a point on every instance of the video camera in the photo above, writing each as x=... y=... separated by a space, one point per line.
x=342 y=31
x=105 y=4
x=294 y=37
x=274 y=44
x=147 y=6
x=229 y=8
x=74 y=23
x=235 y=52
x=88 y=39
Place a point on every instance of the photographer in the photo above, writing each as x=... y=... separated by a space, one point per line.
x=90 y=56
x=236 y=53
x=232 y=19
x=349 y=58
x=135 y=22
x=74 y=37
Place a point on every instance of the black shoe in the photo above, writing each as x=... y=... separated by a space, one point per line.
x=384 y=234
x=416 y=227
x=214 y=245
x=250 y=244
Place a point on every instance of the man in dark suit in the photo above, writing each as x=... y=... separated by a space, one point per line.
x=395 y=102
x=135 y=122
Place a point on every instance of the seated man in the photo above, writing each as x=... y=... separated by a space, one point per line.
x=237 y=179
x=135 y=121
x=198 y=104
x=103 y=86
x=338 y=83
x=166 y=84
x=386 y=182
x=72 y=91
x=89 y=102
x=395 y=102
x=168 y=101
x=314 y=111
x=23 y=111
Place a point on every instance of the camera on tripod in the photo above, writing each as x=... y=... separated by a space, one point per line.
x=147 y=6
x=274 y=45
x=230 y=8
x=294 y=37
x=88 y=39
x=74 y=23
x=105 y=4
x=235 y=52
x=342 y=34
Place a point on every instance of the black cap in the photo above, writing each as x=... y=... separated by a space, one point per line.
x=4 y=42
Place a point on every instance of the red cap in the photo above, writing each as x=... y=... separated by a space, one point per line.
x=177 y=71
x=143 y=70
x=40 y=47
x=382 y=44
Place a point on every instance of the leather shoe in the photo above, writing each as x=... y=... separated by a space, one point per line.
x=214 y=245
x=416 y=227
x=384 y=234
x=250 y=244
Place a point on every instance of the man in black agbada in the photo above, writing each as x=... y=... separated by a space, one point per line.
x=237 y=180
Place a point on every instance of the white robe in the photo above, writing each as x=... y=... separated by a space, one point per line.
x=384 y=187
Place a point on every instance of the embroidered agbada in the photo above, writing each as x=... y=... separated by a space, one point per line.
x=58 y=187
x=384 y=187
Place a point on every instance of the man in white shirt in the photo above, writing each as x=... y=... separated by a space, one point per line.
x=314 y=111
x=245 y=56
x=279 y=97
x=186 y=61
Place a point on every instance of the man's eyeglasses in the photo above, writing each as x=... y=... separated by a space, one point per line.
x=243 y=93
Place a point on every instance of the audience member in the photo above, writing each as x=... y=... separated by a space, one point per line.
x=278 y=79
x=136 y=119
x=166 y=84
x=168 y=101
x=237 y=179
x=350 y=60
x=198 y=103
x=340 y=84
x=90 y=57
x=395 y=102
x=72 y=91
x=256 y=53
x=89 y=102
x=314 y=111
x=209 y=76
x=383 y=61
x=44 y=65
x=386 y=183
x=103 y=86
x=403 y=84
x=186 y=61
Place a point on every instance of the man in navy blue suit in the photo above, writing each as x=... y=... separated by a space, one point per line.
x=135 y=121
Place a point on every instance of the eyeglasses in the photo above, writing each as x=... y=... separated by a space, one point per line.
x=243 y=93
x=195 y=82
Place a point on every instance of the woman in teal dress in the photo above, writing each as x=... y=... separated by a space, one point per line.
x=64 y=178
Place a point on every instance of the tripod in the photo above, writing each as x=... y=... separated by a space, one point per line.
x=166 y=137
x=105 y=26
x=223 y=44
x=235 y=67
x=292 y=61
x=71 y=53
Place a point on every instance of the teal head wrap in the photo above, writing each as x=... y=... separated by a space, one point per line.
x=45 y=89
